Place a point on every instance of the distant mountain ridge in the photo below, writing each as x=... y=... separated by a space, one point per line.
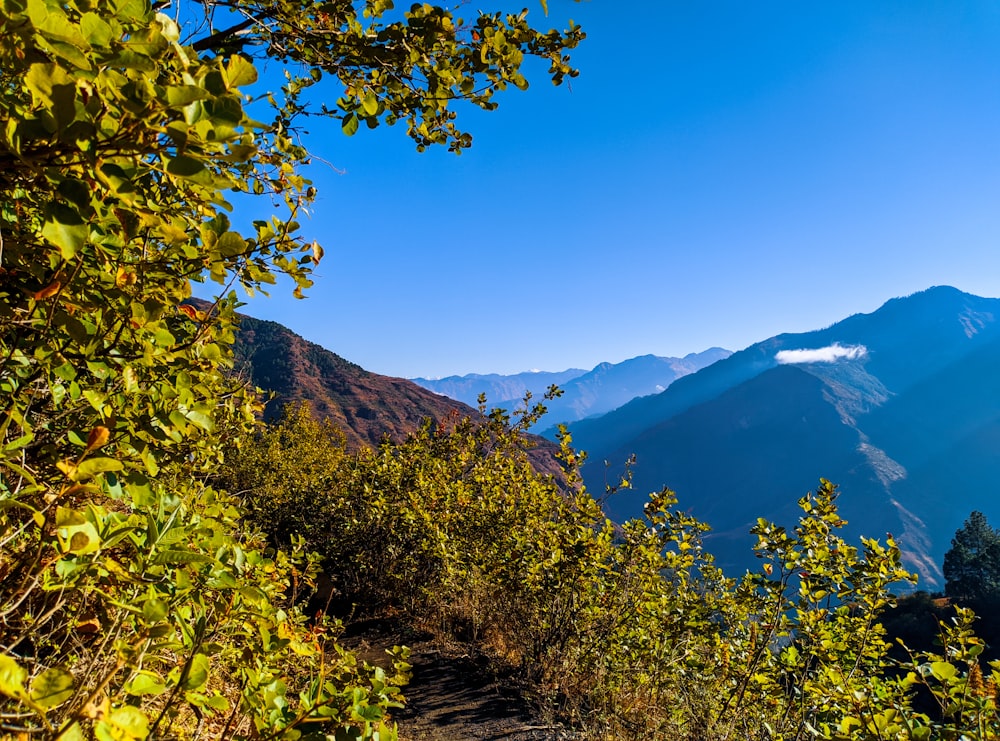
x=585 y=393
x=610 y=385
x=900 y=406
x=365 y=406
x=497 y=387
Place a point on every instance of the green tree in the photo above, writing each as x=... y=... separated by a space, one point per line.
x=133 y=599
x=972 y=564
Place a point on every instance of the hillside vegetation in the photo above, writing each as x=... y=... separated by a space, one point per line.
x=623 y=633
x=160 y=551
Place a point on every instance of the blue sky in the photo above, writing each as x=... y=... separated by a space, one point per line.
x=721 y=171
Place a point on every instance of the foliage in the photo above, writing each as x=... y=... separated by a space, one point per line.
x=914 y=622
x=972 y=565
x=631 y=632
x=389 y=65
x=133 y=599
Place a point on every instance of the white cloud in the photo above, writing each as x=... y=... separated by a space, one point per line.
x=828 y=354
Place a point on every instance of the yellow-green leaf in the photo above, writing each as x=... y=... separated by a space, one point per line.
x=350 y=124
x=184 y=166
x=145 y=683
x=197 y=673
x=65 y=229
x=52 y=687
x=370 y=104
x=94 y=466
x=12 y=676
x=240 y=72
x=123 y=723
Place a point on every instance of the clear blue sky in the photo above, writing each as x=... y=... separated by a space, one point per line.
x=721 y=171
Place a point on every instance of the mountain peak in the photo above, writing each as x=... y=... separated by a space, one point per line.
x=898 y=405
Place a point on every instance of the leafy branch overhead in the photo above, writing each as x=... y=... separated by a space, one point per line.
x=390 y=65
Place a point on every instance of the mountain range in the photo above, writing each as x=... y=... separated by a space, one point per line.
x=901 y=407
x=585 y=393
x=498 y=388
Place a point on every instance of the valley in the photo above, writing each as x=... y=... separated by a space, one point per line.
x=900 y=407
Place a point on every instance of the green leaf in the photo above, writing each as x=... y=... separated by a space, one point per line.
x=93 y=466
x=943 y=671
x=146 y=683
x=179 y=557
x=65 y=229
x=217 y=702
x=197 y=673
x=52 y=687
x=370 y=713
x=75 y=533
x=134 y=10
x=95 y=29
x=133 y=60
x=184 y=166
x=240 y=72
x=123 y=723
x=154 y=610
x=350 y=124
x=72 y=733
x=179 y=96
x=231 y=244
x=52 y=87
x=370 y=104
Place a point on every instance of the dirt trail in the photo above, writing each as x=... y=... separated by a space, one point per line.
x=452 y=696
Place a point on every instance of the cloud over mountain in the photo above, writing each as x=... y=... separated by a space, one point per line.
x=828 y=354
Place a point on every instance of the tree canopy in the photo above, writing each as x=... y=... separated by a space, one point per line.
x=391 y=65
x=972 y=565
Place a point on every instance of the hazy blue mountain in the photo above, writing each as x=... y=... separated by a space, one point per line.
x=609 y=385
x=498 y=388
x=901 y=407
x=585 y=394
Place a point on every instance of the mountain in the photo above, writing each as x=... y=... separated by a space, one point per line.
x=609 y=385
x=498 y=388
x=365 y=406
x=901 y=407
x=585 y=393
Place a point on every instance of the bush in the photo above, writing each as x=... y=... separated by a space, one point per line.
x=628 y=633
x=133 y=601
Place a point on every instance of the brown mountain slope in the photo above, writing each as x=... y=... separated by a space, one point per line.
x=366 y=406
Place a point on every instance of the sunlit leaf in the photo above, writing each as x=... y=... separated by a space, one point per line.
x=51 y=688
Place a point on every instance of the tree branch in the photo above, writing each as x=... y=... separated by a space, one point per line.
x=217 y=39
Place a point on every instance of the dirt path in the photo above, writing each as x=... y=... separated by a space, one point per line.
x=452 y=696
